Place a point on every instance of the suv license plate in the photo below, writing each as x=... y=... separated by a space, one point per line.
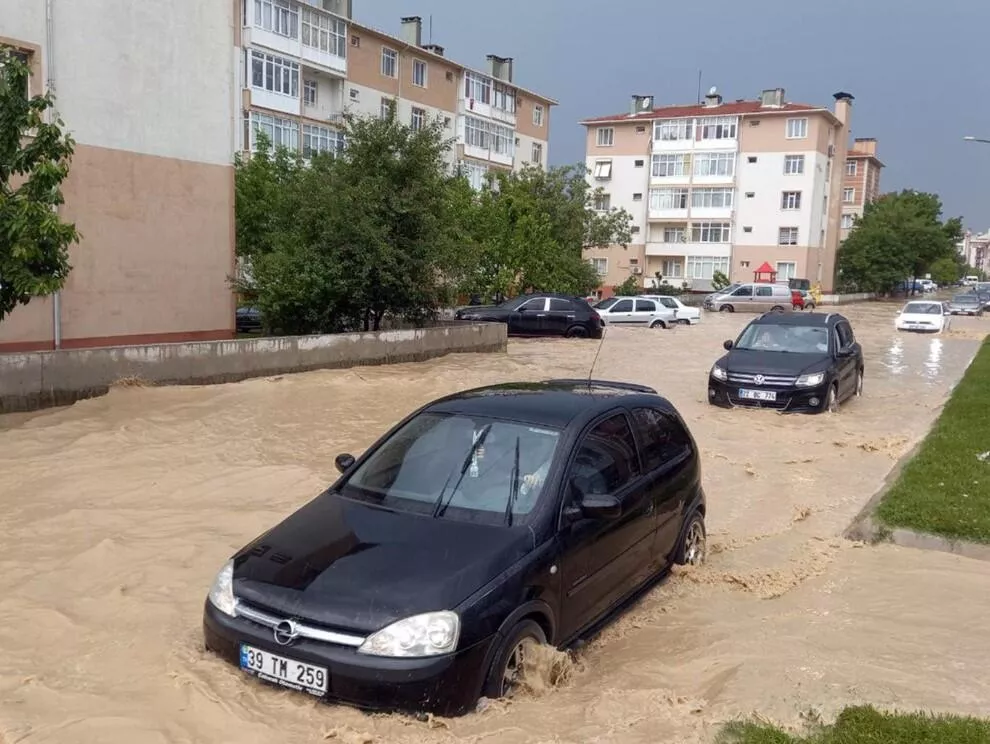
x=282 y=671
x=767 y=395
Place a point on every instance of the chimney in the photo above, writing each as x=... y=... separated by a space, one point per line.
x=843 y=107
x=412 y=30
x=713 y=98
x=772 y=98
x=435 y=48
x=500 y=68
x=865 y=144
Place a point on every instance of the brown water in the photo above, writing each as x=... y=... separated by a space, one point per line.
x=116 y=513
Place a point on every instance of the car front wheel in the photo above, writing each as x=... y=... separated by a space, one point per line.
x=832 y=399
x=509 y=666
x=859 y=384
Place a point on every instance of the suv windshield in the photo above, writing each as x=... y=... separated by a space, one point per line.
x=793 y=339
x=458 y=467
x=922 y=308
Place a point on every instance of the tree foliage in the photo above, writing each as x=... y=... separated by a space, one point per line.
x=34 y=161
x=900 y=236
x=385 y=229
x=628 y=288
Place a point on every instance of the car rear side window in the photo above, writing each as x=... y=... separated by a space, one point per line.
x=663 y=439
x=606 y=460
x=646 y=306
x=561 y=306
x=667 y=302
x=622 y=306
x=537 y=303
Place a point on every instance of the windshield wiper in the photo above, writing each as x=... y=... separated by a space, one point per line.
x=440 y=507
x=514 y=490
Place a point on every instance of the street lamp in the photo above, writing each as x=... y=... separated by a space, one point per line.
x=977 y=139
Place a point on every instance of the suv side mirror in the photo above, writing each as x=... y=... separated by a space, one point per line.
x=727 y=345
x=344 y=462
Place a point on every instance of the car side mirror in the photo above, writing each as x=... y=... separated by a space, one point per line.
x=594 y=506
x=846 y=351
x=727 y=345
x=344 y=462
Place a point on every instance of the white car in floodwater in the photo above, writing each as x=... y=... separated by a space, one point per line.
x=684 y=314
x=927 y=316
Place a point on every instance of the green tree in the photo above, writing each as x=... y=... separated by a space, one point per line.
x=628 y=288
x=35 y=155
x=946 y=271
x=720 y=281
x=900 y=236
x=531 y=228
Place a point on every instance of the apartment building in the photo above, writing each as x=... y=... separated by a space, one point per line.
x=975 y=250
x=860 y=181
x=721 y=186
x=149 y=99
x=305 y=64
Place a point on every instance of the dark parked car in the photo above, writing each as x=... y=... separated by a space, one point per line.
x=541 y=315
x=248 y=320
x=483 y=523
x=801 y=362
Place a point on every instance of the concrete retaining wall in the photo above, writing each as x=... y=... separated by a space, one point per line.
x=845 y=299
x=42 y=379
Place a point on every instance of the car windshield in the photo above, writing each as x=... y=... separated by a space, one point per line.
x=460 y=467
x=965 y=299
x=792 y=339
x=606 y=304
x=922 y=308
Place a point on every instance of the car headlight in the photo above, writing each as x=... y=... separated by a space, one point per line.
x=811 y=380
x=222 y=591
x=430 y=634
x=718 y=373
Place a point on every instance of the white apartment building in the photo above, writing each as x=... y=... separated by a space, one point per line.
x=720 y=187
x=306 y=63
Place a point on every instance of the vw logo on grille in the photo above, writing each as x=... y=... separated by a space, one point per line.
x=286 y=632
x=759 y=380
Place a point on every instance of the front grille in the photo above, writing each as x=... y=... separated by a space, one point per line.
x=740 y=378
x=270 y=619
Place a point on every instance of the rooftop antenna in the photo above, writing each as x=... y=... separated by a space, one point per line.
x=431 y=28
x=591 y=372
x=699 y=87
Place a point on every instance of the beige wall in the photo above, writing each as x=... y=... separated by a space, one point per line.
x=755 y=255
x=770 y=135
x=626 y=141
x=620 y=261
x=524 y=118
x=156 y=251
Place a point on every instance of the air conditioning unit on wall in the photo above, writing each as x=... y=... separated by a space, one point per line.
x=636 y=269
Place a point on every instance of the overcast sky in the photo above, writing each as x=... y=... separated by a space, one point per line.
x=919 y=69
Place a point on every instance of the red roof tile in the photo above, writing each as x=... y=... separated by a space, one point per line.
x=732 y=108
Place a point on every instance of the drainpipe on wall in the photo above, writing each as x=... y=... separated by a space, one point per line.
x=50 y=118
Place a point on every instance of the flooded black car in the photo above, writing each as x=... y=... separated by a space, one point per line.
x=540 y=315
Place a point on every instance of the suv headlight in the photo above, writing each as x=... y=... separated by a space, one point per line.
x=811 y=380
x=430 y=634
x=222 y=591
x=718 y=373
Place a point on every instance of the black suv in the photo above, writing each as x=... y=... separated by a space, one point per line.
x=541 y=315
x=801 y=362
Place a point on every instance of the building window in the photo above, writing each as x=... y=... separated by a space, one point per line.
x=477 y=88
x=503 y=140
x=538 y=115
x=714 y=198
x=787 y=236
x=475 y=133
x=317 y=139
x=668 y=198
x=386 y=109
x=274 y=74
x=600 y=265
x=797 y=128
x=277 y=16
x=637 y=197
x=418 y=120
x=390 y=62
x=710 y=232
x=603 y=202
x=671 y=269
x=847 y=222
x=673 y=130
x=718 y=127
x=356 y=42
x=419 y=73
x=504 y=98
x=715 y=164
x=671 y=166
x=752 y=158
x=704 y=267
x=639 y=163
x=325 y=33
x=674 y=235
x=475 y=173
x=848 y=196
x=606 y=136
x=851 y=167
x=537 y=153
x=790 y=200
x=634 y=229
x=355 y=94
x=603 y=170
x=309 y=92
x=281 y=132
x=793 y=165
x=786 y=270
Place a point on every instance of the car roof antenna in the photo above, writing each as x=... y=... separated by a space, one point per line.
x=591 y=372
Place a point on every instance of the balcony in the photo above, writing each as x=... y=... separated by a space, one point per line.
x=664 y=215
x=476 y=108
x=275 y=101
x=329 y=104
x=324 y=57
x=689 y=249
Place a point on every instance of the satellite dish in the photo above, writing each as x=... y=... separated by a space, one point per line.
x=713 y=91
x=646 y=103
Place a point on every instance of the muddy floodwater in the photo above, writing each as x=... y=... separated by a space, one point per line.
x=115 y=514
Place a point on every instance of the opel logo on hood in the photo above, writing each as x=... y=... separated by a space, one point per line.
x=286 y=632
x=759 y=380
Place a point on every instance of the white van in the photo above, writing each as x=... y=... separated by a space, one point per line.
x=756 y=297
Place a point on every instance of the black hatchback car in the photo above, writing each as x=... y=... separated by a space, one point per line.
x=801 y=362
x=483 y=523
x=541 y=315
